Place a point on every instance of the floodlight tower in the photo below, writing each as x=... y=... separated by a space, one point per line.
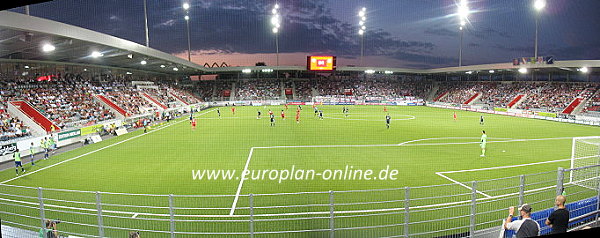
x=539 y=6
x=362 y=20
x=186 y=7
x=463 y=14
x=276 y=24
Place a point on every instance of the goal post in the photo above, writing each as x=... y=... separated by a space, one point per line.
x=585 y=151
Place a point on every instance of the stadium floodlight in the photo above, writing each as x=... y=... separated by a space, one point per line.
x=276 y=24
x=369 y=71
x=246 y=71
x=491 y=71
x=96 y=54
x=388 y=72
x=463 y=14
x=539 y=6
x=186 y=7
x=469 y=72
x=523 y=70
x=26 y=66
x=175 y=69
x=584 y=70
x=162 y=66
x=362 y=28
x=129 y=73
x=48 y=47
x=143 y=62
x=267 y=70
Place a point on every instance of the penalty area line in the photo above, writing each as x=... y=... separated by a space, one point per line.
x=239 y=189
x=462 y=184
x=93 y=151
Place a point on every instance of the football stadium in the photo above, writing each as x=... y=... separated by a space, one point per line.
x=198 y=118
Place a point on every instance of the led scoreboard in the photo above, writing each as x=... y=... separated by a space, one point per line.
x=321 y=63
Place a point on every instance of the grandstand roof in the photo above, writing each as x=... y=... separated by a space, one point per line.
x=22 y=37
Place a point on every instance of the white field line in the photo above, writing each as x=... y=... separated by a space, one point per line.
x=235 y=200
x=239 y=189
x=462 y=184
x=94 y=151
x=503 y=167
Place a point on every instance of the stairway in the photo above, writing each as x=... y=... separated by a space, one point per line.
x=569 y=109
x=24 y=111
x=516 y=101
x=153 y=101
x=119 y=111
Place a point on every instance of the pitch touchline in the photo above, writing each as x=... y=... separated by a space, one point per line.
x=94 y=151
x=239 y=188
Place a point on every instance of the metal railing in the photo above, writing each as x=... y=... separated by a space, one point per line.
x=460 y=209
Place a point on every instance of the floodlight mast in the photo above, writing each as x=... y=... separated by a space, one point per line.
x=463 y=14
x=539 y=5
x=362 y=29
x=186 y=7
x=276 y=24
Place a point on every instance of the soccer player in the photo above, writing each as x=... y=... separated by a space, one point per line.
x=481 y=120
x=45 y=147
x=258 y=114
x=145 y=126
x=316 y=111
x=194 y=124
x=272 y=119
x=483 y=142
x=191 y=117
x=219 y=112
x=233 y=110
x=384 y=108
x=17 y=157
x=298 y=116
x=346 y=111
x=32 y=153
x=286 y=106
x=52 y=144
x=282 y=115
x=321 y=115
x=387 y=120
x=455 y=117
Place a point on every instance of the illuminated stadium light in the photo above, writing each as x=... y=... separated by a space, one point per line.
x=463 y=12
x=469 y=72
x=369 y=71
x=246 y=71
x=267 y=70
x=48 y=48
x=388 y=72
x=143 y=62
x=584 y=70
x=362 y=29
x=276 y=24
x=26 y=66
x=361 y=32
x=96 y=54
x=162 y=66
x=523 y=70
x=129 y=73
x=539 y=4
x=186 y=6
x=187 y=18
x=175 y=69
x=492 y=71
x=130 y=56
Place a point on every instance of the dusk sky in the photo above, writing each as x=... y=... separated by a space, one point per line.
x=400 y=33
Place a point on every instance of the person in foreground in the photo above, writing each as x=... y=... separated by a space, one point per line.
x=525 y=227
x=559 y=219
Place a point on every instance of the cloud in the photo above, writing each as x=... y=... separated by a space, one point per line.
x=167 y=23
x=114 y=18
x=441 y=32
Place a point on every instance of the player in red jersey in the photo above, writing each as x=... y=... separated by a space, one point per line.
x=233 y=110
x=455 y=117
x=286 y=107
x=270 y=112
x=384 y=108
x=298 y=115
x=282 y=115
x=194 y=124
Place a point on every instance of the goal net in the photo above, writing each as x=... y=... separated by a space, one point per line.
x=585 y=152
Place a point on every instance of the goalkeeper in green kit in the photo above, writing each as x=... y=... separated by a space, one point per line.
x=483 y=142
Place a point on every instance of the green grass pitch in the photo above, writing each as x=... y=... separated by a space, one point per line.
x=420 y=142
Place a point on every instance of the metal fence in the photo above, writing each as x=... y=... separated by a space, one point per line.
x=452 y=210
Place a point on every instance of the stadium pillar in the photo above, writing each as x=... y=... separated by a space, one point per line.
x=27 y=10
x=331 y=216
x=406 y=210
x=473 y=208
x=99 y=212
x=560 y=176
x=522 y=190
x=171 y=216
x=251 y=205
x=42 y=211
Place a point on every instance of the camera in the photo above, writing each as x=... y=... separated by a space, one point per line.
x=55 y=221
